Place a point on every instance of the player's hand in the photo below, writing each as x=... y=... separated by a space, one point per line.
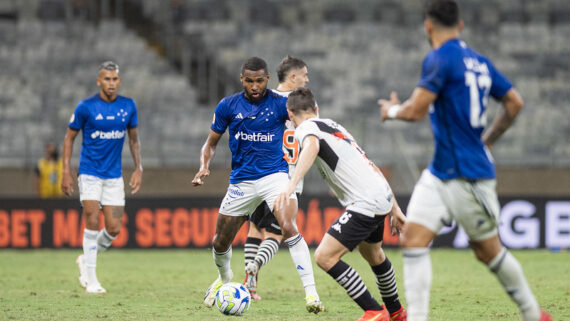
x=67 y=184
x=197 y=181
x=281 y=201
x=386 y=104
x=136 y=181
x=397 y=220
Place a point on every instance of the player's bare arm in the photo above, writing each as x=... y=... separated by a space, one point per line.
x=512 y=105
x=413 y=109
x=67 y=179
x=206 y=155
x=306 y=159
x=135 y=147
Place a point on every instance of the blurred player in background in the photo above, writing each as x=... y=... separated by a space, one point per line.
x=459 y=184
x=264 y=234
x=362 y=189
x=255 y=119
x=48 y=173
x=105 y=118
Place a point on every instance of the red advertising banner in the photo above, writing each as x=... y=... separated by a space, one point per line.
x=191 y=222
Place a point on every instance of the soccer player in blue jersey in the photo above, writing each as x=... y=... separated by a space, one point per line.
x=255 y=120
x=459 y=184
x=264 y=235
x=105 y=119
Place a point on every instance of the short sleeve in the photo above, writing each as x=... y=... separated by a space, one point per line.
x=307 y=128
x=282 y=103
x=221 y=118
x=79 y=117
x=433 y=73
x=134 y=119
x=500 y=84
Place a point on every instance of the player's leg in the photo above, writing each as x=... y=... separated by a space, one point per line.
x=479 y=219
x=426 y=216
x=239 y=202
x=270 y=187
x=371 y=251
x=90 y=191
x=113 y=203
x=271 y=239
x=226 y=230
x=343 y=236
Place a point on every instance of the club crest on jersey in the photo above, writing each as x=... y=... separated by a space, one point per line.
x=255 y=137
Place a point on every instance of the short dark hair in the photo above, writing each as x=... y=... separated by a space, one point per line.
x=443 y=12
x=287 y=64
x=301 y=99
x=254 y=64
x=109 y=65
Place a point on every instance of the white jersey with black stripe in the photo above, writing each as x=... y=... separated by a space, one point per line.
x=356 y=181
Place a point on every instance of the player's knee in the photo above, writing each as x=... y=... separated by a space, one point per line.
x=220 y=243
x=322 y=260
x=289 y=230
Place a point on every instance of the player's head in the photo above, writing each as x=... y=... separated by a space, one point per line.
x=293 y=72
x=254 y=78
x=108 y=80
x=300 y=103
x=51 y=151
x=441 y=16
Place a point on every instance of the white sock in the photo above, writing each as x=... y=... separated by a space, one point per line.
x=302 y=258
x=417 y=282
x=104 y=240
x=509 y=272
x=90 y=254
x=222 y=261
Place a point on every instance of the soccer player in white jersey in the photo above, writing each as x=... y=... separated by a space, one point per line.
x=362 y=189
x=104 y=118
x=459 y=184
x=264 y=234
x=255 y=119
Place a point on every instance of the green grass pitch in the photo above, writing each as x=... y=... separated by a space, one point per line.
x=170 y=284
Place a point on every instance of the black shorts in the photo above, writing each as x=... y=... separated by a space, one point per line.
x=351 y=228
x=263 y=217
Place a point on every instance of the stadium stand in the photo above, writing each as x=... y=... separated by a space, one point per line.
x=357 y=52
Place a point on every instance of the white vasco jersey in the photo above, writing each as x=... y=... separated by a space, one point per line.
x=356 y=181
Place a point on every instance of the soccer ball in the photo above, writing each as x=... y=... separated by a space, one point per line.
x=233 y=299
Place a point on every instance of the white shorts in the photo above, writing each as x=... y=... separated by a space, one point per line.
x=473 y=205
x=243 y=198
x=109 y=192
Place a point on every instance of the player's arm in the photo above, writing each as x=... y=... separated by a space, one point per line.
x=206 y=155
x=307 y=157
x=66 y=179
x=512 y=104
x=135 y=147
x=413 y=109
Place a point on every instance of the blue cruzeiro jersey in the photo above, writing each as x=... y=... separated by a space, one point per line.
x=255 y=134
x=463 y=81
x=104 y=128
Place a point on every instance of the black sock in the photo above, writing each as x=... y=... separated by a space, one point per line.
x=250 y=249
x=349 y=279
x=387 y=285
